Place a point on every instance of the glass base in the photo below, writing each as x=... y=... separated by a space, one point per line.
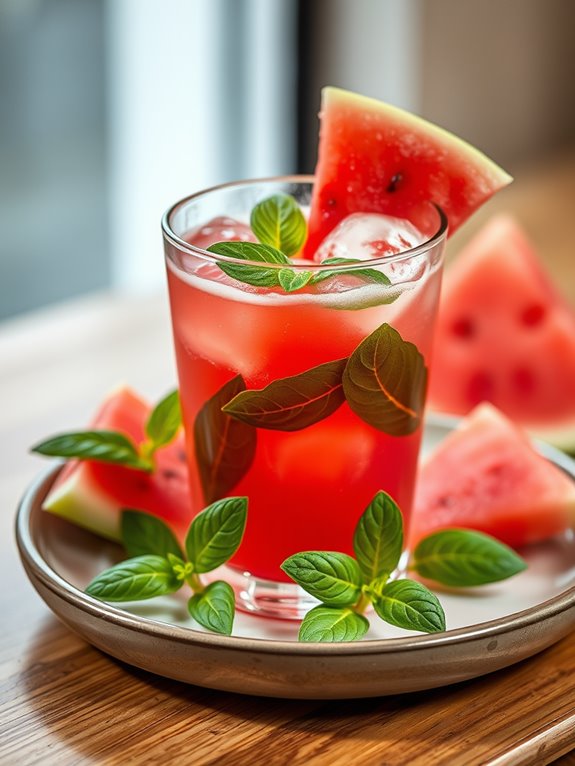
x=267 y=598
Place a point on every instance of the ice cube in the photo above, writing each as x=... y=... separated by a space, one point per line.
x=220 y=229
x=369 y=235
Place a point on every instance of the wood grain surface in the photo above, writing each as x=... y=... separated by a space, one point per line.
x=63 y=702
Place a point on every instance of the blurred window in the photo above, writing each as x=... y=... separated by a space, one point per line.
x=113 y=110
x=53 y=218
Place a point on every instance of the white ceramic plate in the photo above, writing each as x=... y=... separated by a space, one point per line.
x=488 y=628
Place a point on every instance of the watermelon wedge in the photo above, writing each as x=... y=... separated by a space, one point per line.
x=505 y=335
x=487 y=476
x=92 y=494
x=375 y=158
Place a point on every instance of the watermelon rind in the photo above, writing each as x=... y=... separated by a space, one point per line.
x=79 y=499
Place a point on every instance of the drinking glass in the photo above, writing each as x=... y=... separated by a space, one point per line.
x=307 y=483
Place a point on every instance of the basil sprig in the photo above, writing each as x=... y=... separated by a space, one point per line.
x=347 y=586
x=161 y=567
x=281 y=229
x=107 y=446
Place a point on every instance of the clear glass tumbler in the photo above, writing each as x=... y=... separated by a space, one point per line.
x=356 y=346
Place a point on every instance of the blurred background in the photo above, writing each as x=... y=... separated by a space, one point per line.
x=112 y=110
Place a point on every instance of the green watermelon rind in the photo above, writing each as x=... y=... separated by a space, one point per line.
x=562 y=437
x=80 y=500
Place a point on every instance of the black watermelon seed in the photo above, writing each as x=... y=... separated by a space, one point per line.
x=393 y=184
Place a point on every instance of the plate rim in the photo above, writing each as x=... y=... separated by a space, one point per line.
x=37 y=566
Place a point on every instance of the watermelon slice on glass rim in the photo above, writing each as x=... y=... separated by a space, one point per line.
x=505 y=335
x=376 y=158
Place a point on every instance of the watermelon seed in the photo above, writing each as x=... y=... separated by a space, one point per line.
x=524 y=380
x=393 y=184
x=169 y=473
x=463 y=328
x=480 y=388
x=533 y=315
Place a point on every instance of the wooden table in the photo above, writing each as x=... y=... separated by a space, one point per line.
x=63 y=702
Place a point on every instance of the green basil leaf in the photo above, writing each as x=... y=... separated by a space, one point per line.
x=333 y=578
x=278 y=221
x=165 y=420
x=258 y=276
x=463 y=558
x=103 y=446
x=216 y=533
x=214 y=608
x=292 y=280
x=369 y=275
x=378 y=538
x=224 y=447
x=289 y=404
x=385 y=381
x=249 y=251
x=409 y=604
x=330 y=624
x=135 y=580
x=143 y=534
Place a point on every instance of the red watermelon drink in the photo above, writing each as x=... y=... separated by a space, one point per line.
x=303 y=361
x=308 y=474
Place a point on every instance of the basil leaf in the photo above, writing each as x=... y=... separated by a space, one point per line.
x=289 y=404
x=333 y=578
x=278 y=221
x=103 y=446
x=378 y=538
x=292 y=280
x=216 y=533
x=143 y=534
x=329 y=624
x=224 y=447
x=135 y=580
x=214 y=608
x=385 y=381
x=165 y=420
x=370 y=275
x=258 y=276
x=249 y=251
x=409 y=604
x=463 y=558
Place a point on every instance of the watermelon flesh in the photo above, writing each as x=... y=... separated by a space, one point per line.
x=505 y=335
x=375 y=158
x=487 y=476
x=92 y=494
